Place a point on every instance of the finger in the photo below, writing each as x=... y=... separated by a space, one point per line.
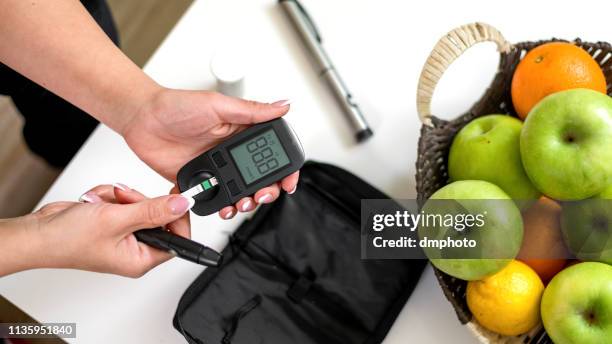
x=267 y=194
x=149 y=213
x=154 y=257
x=148 y=258
x=241 y=111
x=90 y=197
x=245 y=204
x=290 y=182
x=127 y=195
x=181 y=226
x=99 y=193
x=227 y=212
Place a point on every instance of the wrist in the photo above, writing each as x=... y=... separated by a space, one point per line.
x=145 y=114
x=136 y=106
x=21 y=244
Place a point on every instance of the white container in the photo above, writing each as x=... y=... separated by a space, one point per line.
x=228 y=68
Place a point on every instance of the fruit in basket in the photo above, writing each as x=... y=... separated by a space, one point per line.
x=573 y=262
x=507 y=302
x=577 y=305
x=488 y=149
x=543 y=248
x=550 y=68
x=587 y=227
x=566 y=144
x=497 y=241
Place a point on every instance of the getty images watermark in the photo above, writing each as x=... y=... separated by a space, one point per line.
x=412 y=221
x=446 y=229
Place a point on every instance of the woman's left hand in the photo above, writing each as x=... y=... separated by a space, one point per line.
x=177 y=125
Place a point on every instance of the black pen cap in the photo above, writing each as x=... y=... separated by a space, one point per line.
x=210 y=257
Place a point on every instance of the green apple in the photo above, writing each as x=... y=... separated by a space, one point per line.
x=488 y=148
x=577 y=305
x=587 y=227
x=498 y=237
x=566 y=144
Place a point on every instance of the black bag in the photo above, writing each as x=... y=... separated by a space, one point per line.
x=294 y=274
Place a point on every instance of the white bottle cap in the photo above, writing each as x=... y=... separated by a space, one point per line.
x=227 y=66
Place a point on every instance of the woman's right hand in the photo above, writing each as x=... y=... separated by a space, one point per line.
x=96 y=235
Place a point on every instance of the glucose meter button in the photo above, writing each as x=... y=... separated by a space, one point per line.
x=233 y=187
x=218 y=159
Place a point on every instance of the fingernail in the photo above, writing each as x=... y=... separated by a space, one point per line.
x=89 y=198
x=264 y=199
x=180 y=204
x=246 y=205
x=229 y=215
x=282 y=103
x=85 y=199
x=122 y=187
x=292 y=191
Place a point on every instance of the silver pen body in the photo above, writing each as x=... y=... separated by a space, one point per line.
x=327 y=70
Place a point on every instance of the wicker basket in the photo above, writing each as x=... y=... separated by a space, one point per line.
x=437 y=136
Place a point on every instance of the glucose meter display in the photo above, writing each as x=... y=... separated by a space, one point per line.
x=259 y=156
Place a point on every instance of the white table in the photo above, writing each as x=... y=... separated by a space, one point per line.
x=379 y=48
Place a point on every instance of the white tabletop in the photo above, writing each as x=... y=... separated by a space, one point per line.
x=379 y=48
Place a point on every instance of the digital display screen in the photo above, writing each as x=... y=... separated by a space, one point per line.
x=259 y=156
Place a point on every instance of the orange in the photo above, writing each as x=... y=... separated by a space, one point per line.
x=507 y=302
x=550 y=68
x=545 y=268
x=543 y=248
x=572 y=262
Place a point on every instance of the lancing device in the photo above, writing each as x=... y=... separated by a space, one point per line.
x=305 y=26
x=181 y=247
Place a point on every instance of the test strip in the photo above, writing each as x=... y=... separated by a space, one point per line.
x=201 y=187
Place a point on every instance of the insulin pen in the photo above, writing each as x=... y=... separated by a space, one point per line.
x=312 y=39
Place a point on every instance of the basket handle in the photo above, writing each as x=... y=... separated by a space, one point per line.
x=447 y=50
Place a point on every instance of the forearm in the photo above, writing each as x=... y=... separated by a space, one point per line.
x=59 y=46
x=19 y=246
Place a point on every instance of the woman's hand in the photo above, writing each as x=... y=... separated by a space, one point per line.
x=96 y=235
x=165 y=128
x=176 y=126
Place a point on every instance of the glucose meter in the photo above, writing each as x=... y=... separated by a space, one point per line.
x=246 y=162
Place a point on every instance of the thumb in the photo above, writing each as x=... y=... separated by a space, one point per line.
x=153 y=212
x=242 y=111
